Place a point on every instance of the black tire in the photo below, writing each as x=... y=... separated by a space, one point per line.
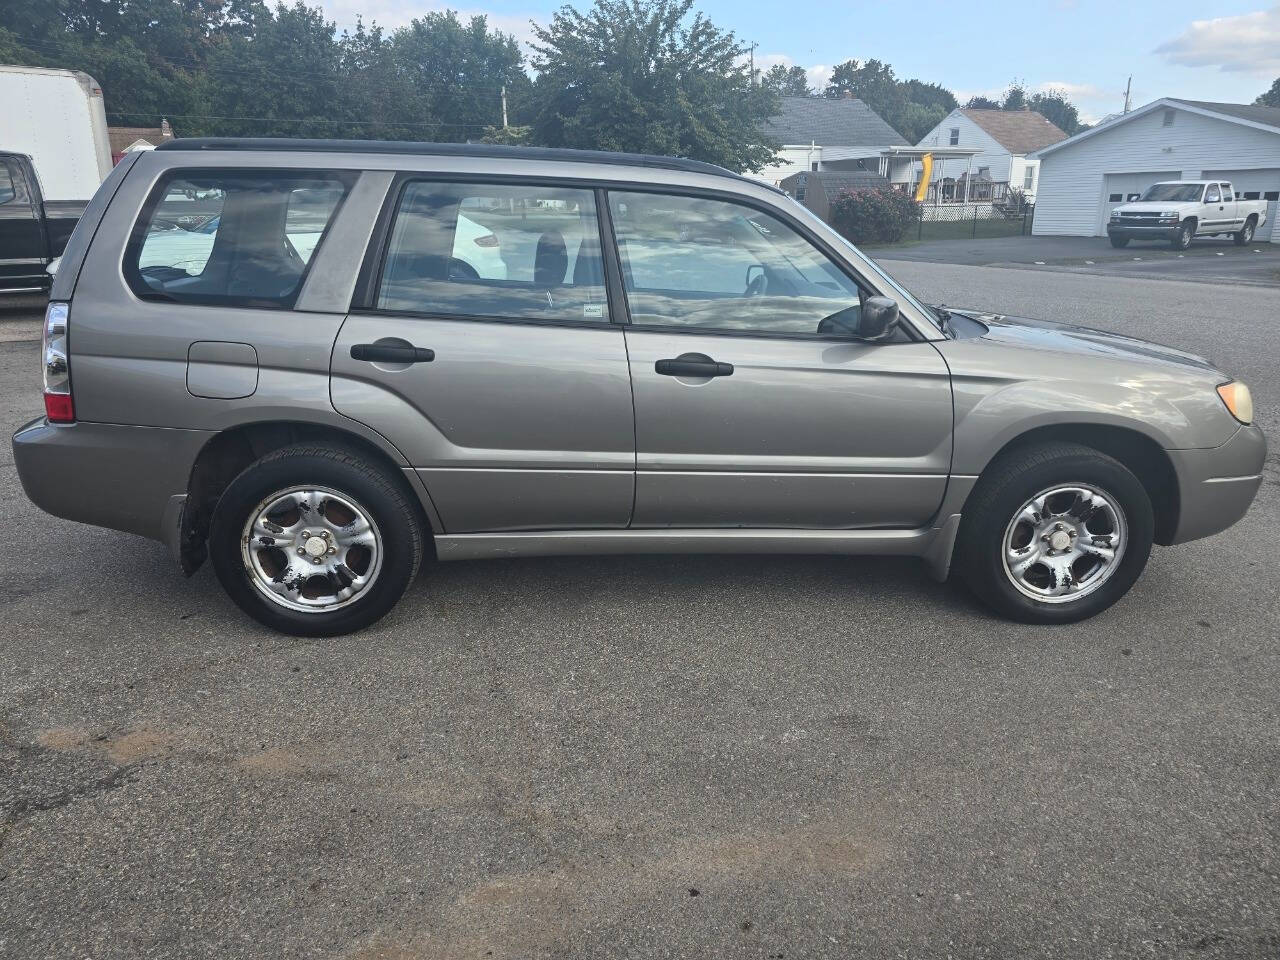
x=1011 y=481
x=1186 y=233
x=1245 y=234
x=383 y=495
x=1119 y=242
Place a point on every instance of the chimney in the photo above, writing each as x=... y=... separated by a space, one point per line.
x=165 y=130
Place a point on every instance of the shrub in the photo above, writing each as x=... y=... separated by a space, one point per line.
x=880 y=215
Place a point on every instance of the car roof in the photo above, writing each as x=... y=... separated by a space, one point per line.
x=491 y=151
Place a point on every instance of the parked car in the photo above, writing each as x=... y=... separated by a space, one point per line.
x=168 y=245
x=677 y=359
x=1181 y=210
x=51 y=162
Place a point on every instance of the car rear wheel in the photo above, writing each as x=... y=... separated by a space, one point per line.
x=1055 y=533
x=1119 y=242
x=1244 y=234
x=1186 y=233
x=313 y=540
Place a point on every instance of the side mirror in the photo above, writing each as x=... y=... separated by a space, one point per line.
x=879 y=319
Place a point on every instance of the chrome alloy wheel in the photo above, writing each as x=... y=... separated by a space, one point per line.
x=1064 y=543
x=311 y=549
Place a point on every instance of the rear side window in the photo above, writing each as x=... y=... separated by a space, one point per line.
x=7 y=192
x=494 y=251
x=231 y=238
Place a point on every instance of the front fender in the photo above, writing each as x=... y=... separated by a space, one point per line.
x=1176 y=413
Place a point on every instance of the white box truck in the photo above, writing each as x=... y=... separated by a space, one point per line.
x=54 y=153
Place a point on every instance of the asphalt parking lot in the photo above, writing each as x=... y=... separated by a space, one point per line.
x=1209 y=260
x=659 y=756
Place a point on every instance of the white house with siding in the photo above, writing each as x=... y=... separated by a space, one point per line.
x=826 y=134
x=1084 y=178
x=1004 y=139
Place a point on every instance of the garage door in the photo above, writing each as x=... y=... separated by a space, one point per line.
x=1120 y=188
x=1255 y=185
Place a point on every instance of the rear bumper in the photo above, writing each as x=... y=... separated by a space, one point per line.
x=1217 y=486
x=109 y=475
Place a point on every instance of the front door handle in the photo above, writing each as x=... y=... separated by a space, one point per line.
x=693 y=365
x=391 y=353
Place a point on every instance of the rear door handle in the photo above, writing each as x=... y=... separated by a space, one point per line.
x=391 y=353
x=693 y=365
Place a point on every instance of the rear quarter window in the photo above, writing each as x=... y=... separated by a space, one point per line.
x=243 y=238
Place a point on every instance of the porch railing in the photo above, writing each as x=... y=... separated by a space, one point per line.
x=950 y=191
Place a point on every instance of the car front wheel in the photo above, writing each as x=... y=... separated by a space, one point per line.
x=1055 y=533
x=1186 y=233
x=314 y=540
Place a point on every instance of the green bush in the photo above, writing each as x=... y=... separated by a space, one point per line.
x=880 y=215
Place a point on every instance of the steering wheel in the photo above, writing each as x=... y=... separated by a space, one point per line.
x=461 y=270
x=758 y=286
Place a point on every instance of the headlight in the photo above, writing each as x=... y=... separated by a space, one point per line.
x=1238 y=400
x=1115 y=214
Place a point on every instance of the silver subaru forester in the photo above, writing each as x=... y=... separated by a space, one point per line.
x=320 y=363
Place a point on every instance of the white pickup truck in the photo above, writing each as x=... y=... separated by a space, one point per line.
x=1181 y=210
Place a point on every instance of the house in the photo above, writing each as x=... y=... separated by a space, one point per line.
x=825 y=134
x=818 y=191
x=128 y=139
x=1082 y=179
x=1004 y=140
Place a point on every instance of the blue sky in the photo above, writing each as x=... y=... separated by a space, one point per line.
x=1225 y=50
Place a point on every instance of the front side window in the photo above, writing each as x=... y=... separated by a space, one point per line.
x=496 y=251
x=1212 y=195
x=694 y=262
x=239 y=238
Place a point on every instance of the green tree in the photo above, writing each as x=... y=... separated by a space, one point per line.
x=787 y=81
x=641 y=75
x=912 y=107
x=455 y=72
x=1055 y=107
x=1272 y=97
x=981 y=103
x=1015 y=98
x=874 y=84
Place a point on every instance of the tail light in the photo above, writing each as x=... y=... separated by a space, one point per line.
x=58 y=405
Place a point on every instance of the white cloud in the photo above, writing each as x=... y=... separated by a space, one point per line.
x=816 y=76
x=1248 y=43
x=1073 y=91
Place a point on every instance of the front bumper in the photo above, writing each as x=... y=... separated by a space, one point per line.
x=1127 y=232
x=109 y=475
x=1216 y=486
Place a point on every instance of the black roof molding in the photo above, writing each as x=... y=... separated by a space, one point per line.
x=489 y=151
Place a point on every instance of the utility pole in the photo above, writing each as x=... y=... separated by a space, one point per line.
x=753 y=62
x=504 y=106
x=1128 y=87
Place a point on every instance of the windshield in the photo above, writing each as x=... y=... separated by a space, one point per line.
x=1175 y=192
x=871 y=265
